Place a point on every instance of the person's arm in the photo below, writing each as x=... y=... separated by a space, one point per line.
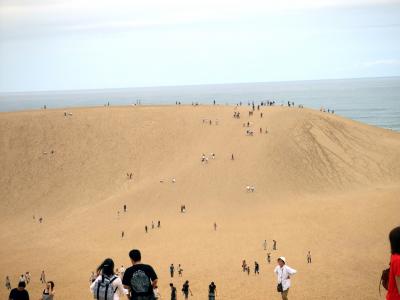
x=190 y=292
x=93 y=283
x=119 y=286
x=290 y=270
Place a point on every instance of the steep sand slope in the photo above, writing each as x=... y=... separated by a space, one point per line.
x=323 y=183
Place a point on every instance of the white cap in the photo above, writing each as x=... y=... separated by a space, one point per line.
x=282 y=258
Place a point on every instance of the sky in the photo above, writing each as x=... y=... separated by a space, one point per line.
x=96 y=44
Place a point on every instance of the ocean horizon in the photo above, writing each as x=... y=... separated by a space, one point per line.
x=374 y=101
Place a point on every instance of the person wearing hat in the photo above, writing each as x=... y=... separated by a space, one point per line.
x=283 y=273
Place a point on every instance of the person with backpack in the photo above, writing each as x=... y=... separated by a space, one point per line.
x=186 y=289
x=19 y=293
x=212 y=291
x=48 y=292
x=393 y=286
x=283 y=273
x=8 y=283
x=140 y=279
x=107 y=285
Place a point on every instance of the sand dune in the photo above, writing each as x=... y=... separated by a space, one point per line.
x=323 y=183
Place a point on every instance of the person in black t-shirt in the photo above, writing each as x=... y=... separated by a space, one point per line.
x=19 y=293
x=140 y=279
x=186 y=289
x=173 y=291
x=212 y=291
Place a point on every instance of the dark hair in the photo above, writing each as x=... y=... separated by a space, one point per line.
x=394 y=238
x=135 y=255
x=21 y=284
x=51 y=284
x=106 y=267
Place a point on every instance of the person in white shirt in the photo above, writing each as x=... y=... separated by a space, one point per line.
x=283 y=273
x=107 y=269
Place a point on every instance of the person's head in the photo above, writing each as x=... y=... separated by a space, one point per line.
x=21 y=285
x=281 y=261
x=171 y=284
x=50 y=285
x=394 y=238
x=106 y=267
x=212 y=283
x=135 y=256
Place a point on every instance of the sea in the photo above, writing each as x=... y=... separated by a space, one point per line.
x=375 y=101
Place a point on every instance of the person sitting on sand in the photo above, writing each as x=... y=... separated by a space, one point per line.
x=107 y=274
x=48 y=292
x=283 y=273
x=19 y=293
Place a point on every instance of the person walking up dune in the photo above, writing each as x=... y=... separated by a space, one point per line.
x=283 y=273
x=186 y=289
x=173 y=291
x=19 y=293
x=48 y=292
x=43 y=277
x=394 y=273
x=140 y=279
x=8 y=283
x=309 y=257
x=212 y=291
x=171 y=270
x=107 y=284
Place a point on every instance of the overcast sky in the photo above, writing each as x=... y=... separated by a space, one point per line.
x=85 y=44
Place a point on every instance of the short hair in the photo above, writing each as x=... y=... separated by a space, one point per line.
x=394 y=238
x=21 y=284
x=135 y=255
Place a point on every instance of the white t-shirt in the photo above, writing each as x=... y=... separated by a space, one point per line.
x=117 y=284
x=283 y=275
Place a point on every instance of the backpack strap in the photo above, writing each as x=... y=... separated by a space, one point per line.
x=107 y=286
x=112 y=280
x=98 y=289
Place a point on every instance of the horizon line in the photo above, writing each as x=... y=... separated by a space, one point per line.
x=191 y=85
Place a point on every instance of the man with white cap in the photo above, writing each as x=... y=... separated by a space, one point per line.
x=283 y=273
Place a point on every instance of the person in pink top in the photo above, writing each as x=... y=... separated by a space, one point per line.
x=394 y=275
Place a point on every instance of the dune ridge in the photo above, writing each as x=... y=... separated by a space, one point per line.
x=322 y=183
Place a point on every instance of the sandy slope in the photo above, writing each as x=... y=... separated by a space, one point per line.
x=323 y=183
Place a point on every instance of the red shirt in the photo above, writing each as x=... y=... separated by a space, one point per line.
x=393 y=293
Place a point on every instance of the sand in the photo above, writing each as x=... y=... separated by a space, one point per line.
x=322 y=183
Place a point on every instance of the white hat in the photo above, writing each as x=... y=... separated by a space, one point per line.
x=282 y=258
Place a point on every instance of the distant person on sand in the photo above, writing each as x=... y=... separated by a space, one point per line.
x=186 y=289
x=180 y=270
x=124 y=207
x=274 y=245
x=19 y=293
x=122 y=234
x=140 y=279
x=8 y=283
x=215 y=226
x=146 y=229
x=265 y=244
x=212 y=291
x=256 y=268
x=107 y=284
x=152 y=224
x=244 y=266
x=269 y=257
x=122 y=270
x=173 y=291
x=283 y=273
x=158 y=224
x=43 y=277
x=49 y=292
x=309 y=257
x=248 y=270
x=22 y=278
x=40 y=220
x=27 y=277
x=394 y=273
x=232 y=158
x=171 y=270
